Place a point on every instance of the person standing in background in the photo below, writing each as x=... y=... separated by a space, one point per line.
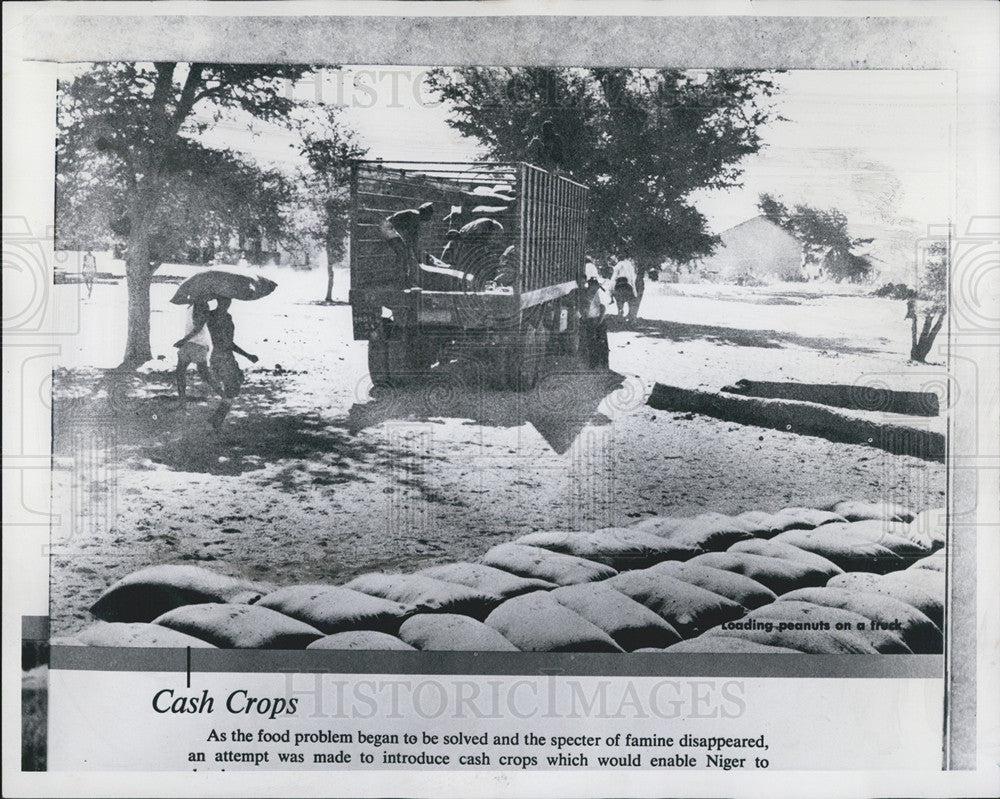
x=89 y=271
x=595 y=328
x=624 y=269
x=624 y=285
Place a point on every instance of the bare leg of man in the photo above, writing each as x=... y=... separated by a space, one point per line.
x=180 y=375
x=209 y=377
x=221 y=412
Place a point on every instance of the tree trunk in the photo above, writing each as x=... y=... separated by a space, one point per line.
x=920 y=345
x=138 y=278
x=329 y=273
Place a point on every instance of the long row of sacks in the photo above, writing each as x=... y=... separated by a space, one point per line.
x=856 y=577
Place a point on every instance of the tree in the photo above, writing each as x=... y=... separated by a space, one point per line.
x=824 y=237
x=931 y=301
x=329 y=154
x=134 y=122
x=642 y=140
x=208 y=197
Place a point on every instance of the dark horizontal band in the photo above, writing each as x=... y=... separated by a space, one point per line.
x=641 y=664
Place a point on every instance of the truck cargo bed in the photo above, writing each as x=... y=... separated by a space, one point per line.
x=535 y=256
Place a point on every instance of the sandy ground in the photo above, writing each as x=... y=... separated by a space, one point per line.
x=313 y=479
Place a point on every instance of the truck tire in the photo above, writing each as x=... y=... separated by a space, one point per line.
x=524 y=358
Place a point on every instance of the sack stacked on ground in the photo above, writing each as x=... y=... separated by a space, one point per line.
x=136 y=634
x=783 y=551
x=335 y=609
x=619 y=547
x=737 y=587
x=450 y=632
x=630 y=624
x=486 y=579
x=151 y=592
x=424 y=594
x=923 y=589
x=240 y=626
x=541 y=564
x=537 y=622
x=778 y=574
x=364 y=640
x=687 y=608
x=708 y=532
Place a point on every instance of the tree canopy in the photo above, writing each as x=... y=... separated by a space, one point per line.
x=207 y=198
x=127 y=137
x=329 y=154
x=642 y=140
x=824 y=236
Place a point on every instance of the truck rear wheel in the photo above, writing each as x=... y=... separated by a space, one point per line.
x=525 y=358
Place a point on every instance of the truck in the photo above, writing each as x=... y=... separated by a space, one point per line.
x=504 y=294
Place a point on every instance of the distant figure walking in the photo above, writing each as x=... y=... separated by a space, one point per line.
x=546 y=150
x=89 y=271
x=194 y=349
x=223 y=361
x=623 y=294
x=402 y=232
x=623 y=283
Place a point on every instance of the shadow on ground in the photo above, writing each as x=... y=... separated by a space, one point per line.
x=139 y=415
x=767 y=339
x=562 y=403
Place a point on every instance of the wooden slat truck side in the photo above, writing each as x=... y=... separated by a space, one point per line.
x=509 y=290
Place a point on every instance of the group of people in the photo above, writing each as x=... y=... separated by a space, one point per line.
x=621 y=282
x=470 y=248
x=473 y=247
x=209 y=345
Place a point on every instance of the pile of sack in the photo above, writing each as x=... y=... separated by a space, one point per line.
x=853 y=578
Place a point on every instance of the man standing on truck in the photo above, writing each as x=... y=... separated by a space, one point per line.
x=402 y=232
x=546 y=150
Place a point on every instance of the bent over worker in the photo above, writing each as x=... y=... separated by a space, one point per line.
x=402 y=232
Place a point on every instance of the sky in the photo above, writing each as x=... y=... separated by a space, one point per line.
x=878 y=145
